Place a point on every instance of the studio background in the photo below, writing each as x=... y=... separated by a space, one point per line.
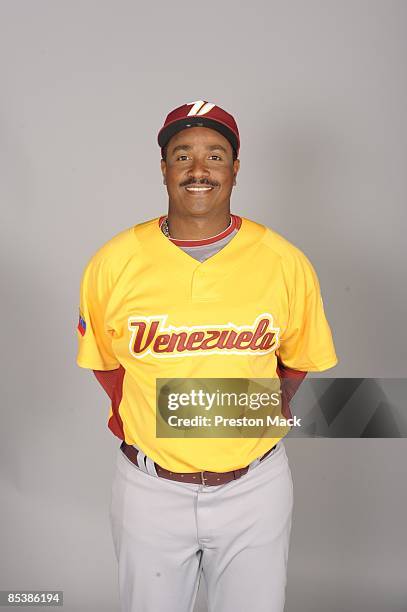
x=318 y=90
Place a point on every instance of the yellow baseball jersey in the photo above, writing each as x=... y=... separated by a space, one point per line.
x=154 y=311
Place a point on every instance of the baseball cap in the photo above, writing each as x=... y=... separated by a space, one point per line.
x=200 y=113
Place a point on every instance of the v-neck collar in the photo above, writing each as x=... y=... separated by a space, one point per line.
x=153 y=239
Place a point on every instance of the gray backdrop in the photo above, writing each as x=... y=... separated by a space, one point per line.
x=318 y=89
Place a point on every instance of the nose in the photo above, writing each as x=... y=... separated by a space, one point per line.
x=198 y=169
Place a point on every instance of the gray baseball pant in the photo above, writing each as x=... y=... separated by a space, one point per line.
x=168 y=534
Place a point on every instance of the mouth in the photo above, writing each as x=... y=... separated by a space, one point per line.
x=198 y=189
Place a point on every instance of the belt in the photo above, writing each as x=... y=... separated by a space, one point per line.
x=205 y=478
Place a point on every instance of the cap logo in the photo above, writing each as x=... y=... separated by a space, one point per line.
x=200 y=107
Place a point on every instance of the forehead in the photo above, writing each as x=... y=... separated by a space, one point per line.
x=197 y=137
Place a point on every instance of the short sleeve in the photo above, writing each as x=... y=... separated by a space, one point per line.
x=94 y=340
x=306 y=344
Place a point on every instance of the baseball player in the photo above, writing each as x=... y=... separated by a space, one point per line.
x=199 y=292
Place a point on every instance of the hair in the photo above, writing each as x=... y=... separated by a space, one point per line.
x=164 y=153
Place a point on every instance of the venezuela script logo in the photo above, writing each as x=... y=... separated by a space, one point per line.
x=151 y=336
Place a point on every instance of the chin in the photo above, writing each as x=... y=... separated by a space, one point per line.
x=199 y=207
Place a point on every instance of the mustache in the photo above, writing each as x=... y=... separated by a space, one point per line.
x=201 y=182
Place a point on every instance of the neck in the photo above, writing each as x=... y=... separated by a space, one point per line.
x=197 y=228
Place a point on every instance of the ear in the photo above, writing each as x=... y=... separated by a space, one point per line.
x=164 y=170
x=236 y=167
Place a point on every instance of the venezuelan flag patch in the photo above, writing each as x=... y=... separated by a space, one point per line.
x=81 y=325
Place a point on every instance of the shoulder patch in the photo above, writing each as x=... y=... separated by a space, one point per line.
x=81 y=324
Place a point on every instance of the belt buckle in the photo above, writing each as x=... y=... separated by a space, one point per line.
x=203 y=479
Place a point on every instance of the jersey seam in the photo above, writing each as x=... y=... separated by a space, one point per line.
x=99 y=366
x=315 y=368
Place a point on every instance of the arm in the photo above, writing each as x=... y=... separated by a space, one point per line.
x=291 y=380
x=108 y=379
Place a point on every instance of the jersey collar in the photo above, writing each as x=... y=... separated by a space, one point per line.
x=235 y=223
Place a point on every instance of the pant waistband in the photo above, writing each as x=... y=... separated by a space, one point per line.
x=206 y=478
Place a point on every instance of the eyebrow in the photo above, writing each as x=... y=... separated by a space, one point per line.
x=188 y=147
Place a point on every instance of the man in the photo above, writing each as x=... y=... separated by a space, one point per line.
x=199 y=293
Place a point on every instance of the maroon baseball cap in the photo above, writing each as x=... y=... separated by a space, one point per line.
x=200 y=113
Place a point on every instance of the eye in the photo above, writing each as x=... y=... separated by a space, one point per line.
x=179 y=157
x=216 y=156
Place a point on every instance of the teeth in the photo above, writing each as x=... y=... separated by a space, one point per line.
x=198 y=188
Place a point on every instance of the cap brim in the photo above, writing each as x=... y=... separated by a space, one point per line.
x=167 y=132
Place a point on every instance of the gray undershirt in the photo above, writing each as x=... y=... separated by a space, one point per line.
x=201 y=253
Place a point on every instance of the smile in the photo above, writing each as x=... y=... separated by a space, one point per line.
x=198 y=189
